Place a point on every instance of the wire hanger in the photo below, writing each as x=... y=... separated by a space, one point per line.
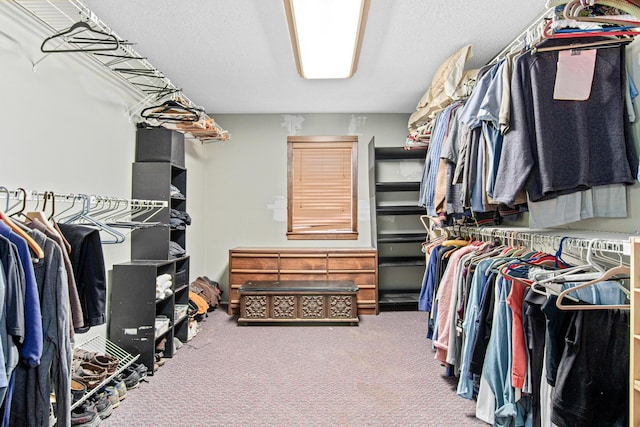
x=105 y=41
x=172 y=111
x=50 y=195
x=84 y=216
x=7 y=195
x=24 y=203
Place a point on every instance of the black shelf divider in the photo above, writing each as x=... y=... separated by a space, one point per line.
x=397 y=186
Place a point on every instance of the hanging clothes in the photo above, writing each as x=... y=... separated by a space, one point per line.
x=559 y=147
x=12 y=320
x=510 y=346
x=566 y=160
x=30 y=403
x=31 y=345
x=74 y=299
x=509 y=410
x=87 y=260
x=591 y=390
x=447 y=302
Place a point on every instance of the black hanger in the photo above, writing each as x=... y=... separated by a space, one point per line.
x=108 y=41
x=24 y=203
x=117 y=59
x=50 y=195
x=172 y=111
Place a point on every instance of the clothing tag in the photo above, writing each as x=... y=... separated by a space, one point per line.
x=459 y=326
x=574 y=76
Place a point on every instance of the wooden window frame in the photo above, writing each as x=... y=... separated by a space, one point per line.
x=330 y=142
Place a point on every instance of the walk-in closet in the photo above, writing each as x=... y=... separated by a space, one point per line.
x=430 y=220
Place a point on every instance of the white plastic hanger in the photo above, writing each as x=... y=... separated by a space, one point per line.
x=607 y=275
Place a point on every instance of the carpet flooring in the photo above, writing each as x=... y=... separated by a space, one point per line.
x=380 y=373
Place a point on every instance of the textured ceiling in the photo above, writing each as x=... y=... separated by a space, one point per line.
x=234 y=56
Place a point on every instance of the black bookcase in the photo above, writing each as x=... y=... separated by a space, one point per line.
x=159 y=165
x=135 y=307
x=396 y=230
x=153 y=181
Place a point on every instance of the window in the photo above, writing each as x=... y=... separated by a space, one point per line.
x=322 y=187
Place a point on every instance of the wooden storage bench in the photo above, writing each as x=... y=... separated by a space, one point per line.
x=264 y=302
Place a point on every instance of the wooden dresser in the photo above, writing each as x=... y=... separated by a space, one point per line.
x=359 y=265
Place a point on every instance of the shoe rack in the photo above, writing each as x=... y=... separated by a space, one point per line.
x=100 y=345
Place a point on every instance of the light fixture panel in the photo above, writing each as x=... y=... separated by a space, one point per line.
x=326 y=36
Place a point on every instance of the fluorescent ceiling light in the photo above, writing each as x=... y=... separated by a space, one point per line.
x=326 y=36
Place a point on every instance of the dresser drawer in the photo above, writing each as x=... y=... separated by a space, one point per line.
x=359 y=279
x=319 y=275
x=249 y=261
x=242 y=278
x=301 y=262
x=352 y=262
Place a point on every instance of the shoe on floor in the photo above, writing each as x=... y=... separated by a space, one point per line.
x=130 y=377
x=159 y=359
x=140 y=368
x=112 y=394
x=119 y=386
x=85 y=415
x=103 y=405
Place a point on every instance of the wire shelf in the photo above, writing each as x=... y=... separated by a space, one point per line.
x=101 y=345
x=145 y=82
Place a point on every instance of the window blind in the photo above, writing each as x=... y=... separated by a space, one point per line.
x=321 y=193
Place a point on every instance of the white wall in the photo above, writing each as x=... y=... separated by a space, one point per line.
x=65 y=129
x=246 y=192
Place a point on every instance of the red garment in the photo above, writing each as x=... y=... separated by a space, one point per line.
x=518 y=342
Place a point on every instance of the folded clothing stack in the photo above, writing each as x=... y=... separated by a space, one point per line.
x=175 y=250
x=163 y=286
x=178 y=220
x=176 y=193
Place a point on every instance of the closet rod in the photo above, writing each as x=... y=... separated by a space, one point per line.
x=607 y=242
x=548 y=13
x=33 y=195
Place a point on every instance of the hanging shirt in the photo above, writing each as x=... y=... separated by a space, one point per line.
x=465 y=381
x=31 y=348
x=446 y=301
x=74 y=300
x=518 y=341
x=607 y=201
x=428 y=285
x=499 y=357
x=29 y=403
x=87 y=261
x=559 y=147
x=432 y=164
